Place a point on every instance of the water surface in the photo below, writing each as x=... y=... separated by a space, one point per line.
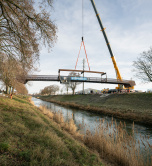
x=89 y=120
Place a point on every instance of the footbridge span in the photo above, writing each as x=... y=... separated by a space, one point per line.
x=66 y=79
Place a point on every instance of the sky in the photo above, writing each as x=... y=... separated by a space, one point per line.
x=128 y=26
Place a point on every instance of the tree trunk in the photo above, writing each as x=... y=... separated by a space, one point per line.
x=6 y=89
x=73 y=91
x=9 y=90
x=12 y=90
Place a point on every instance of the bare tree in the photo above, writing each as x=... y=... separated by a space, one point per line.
x=55 y=88
x=21 y=89
x=73 y=85
x=22 y=29
x=67 y=86
x=49 y=90
x=12 y=69
x=44 y=91
x=143 y=66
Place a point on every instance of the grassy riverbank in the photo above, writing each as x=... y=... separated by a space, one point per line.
x=136 y=106
x=28 y=137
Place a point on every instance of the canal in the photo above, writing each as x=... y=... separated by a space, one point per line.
x=88 y=120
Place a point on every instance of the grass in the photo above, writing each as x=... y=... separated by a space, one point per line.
x=133 y=101
x=29 y=136
x=110 y=140
x=36 y=136
x=135 y=106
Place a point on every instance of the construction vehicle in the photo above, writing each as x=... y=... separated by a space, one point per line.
x=105 y=90
x=109 y=48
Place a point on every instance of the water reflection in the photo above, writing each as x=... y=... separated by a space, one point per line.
x=90 y=121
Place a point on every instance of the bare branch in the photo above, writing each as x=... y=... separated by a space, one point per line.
x=143 y=66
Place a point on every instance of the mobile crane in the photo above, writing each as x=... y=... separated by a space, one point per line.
x=108 y=45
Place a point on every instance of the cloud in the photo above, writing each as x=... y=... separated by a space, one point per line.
x=128 y=27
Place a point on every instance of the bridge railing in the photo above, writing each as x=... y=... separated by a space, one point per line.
x=66 y=79
x=94 y=79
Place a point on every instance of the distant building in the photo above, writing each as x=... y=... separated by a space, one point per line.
x=139 y=91
x=89 y=91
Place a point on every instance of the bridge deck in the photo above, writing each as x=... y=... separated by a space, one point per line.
x=64 y=79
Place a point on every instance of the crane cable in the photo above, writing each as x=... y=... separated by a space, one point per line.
x=82 y=19
x=82 y=43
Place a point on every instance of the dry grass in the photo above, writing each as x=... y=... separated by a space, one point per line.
x=128 y=114
x=116 y=145
x=58 y=118
x=111 y=141
x=28 y=137
x=135 y=106
x=30 y=100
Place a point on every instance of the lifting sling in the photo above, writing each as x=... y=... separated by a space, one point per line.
x=82 y=44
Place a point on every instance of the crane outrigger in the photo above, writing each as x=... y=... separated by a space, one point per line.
x=108 y=45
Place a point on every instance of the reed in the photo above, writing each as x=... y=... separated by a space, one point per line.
x=58 y=118
x=110 y=140
x=138 y=109
x=46 y=111
x=71 y=127
x=118 y=146
x=30 y=100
